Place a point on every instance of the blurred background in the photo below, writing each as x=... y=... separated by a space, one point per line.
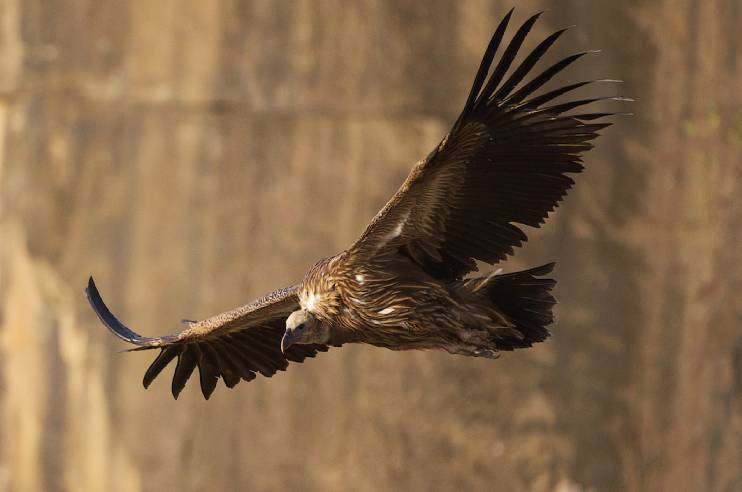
x=194 y=155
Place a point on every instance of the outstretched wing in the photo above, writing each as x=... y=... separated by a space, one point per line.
x=504 y=162
x=234 y=345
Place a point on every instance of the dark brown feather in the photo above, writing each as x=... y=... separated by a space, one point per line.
x=183 y=370
x=167 y=354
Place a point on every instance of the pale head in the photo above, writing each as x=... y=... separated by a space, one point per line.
x=303 y=327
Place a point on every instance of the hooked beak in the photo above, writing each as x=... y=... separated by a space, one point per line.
x=287 y=340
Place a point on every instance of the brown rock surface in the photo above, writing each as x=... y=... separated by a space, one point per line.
x=193 y=155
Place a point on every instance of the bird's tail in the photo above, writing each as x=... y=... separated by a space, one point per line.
x=524 y=298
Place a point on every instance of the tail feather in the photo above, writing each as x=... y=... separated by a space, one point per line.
x=526 y=301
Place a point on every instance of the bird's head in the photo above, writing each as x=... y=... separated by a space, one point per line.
x=303 y=327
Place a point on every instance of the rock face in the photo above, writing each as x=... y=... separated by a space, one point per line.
x=192 y=155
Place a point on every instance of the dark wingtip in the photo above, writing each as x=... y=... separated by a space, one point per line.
x=208 y=376
x=536 y=16
x=484 y=66
x=91 y=290
x=176 y=388
x=208 y=389
x=545 y=269
x=161 y=361
x=185 y=366
x=108 y=319
x=538 y=271
x=506 y=20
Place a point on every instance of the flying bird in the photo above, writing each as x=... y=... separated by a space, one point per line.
x=406 y=282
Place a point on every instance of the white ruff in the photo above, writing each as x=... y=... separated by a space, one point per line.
x=311 y=301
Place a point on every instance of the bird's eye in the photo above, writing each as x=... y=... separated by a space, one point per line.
x=300 y=327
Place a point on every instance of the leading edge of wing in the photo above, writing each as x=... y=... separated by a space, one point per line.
x=117 y=327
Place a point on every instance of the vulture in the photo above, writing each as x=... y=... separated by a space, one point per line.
x=408 y=282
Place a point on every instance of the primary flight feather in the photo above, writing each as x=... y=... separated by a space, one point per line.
x=403 y=284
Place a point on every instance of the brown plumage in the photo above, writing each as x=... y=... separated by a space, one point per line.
x=403 y=284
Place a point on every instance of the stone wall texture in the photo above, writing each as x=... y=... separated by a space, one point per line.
x=195 y=154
